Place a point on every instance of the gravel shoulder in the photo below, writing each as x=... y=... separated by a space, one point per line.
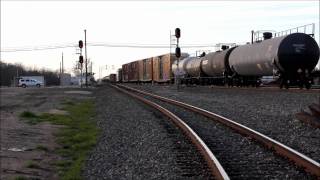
x=23 y=143
x=138 y=143
x=269 y=112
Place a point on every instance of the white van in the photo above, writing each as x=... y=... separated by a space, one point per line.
x=29 y=83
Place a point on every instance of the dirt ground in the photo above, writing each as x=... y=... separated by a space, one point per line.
x=20 y=141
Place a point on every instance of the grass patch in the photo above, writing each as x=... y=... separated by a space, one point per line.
x=20 y=178
x=32 y=164
x=42 y=148
x=63 y=163
x=28 y=114
x=68 y=102
x=77 y=137
x=30 y=117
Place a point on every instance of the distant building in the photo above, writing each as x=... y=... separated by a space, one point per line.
x=65 y=79
x=76 y=80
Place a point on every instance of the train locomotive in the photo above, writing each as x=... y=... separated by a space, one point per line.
x=291 y=58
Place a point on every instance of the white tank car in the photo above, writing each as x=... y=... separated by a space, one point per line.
x=182 y=66
x=193 y=67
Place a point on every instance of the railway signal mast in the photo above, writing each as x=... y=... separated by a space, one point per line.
x=81 y=61
x=178 y=55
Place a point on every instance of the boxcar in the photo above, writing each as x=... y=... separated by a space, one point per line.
x=147 y=75
x=133 y=71
x=113 y=78
x=145 y=70
x=156 y=69
x=125 y=73
x=162 y=67
x=140 y=69
x=119 y=75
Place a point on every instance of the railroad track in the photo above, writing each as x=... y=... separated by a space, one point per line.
x=212 y=162
x=262 y=88
x=299 y=159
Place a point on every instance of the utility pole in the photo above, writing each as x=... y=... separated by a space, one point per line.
x=17 y=78
x=170 y=47
x=62 y=64
x=85 y=49
x=91 y=68
x=252 y=34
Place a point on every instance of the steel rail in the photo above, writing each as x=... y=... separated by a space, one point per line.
x=213 y=163
x=300 y=159
x=271 y=88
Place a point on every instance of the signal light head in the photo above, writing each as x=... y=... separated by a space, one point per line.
x=178 y=52
x=80 y=44
x=177 y=32
x=81 y=59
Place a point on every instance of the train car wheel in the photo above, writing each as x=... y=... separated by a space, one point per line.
x=281 y=83
x=286 y=86
x=308 y=85
x=281 y=86
x=300 y=84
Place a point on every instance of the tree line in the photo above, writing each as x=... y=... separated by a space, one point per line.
x=10 y=71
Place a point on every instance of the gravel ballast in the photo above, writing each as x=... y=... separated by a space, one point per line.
x=271 y=112
x=241 y=157
x=137 y=142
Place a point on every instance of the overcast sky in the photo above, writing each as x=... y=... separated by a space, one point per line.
x=56 y=23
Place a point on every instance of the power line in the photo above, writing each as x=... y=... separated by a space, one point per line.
x=48 y=47
x=36 y=48
x=148 y=46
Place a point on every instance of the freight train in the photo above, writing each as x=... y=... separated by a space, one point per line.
x=291 y=58
x=154 y=69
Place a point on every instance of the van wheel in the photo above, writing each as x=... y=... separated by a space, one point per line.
x=24 y=86
x=38 y=85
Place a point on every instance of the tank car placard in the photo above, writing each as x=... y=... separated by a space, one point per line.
x=299 y=48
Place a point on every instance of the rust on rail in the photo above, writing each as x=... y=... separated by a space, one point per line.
x=301 y=160
x=214 y=165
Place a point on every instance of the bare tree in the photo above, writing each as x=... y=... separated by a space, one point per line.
x=10 y=71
